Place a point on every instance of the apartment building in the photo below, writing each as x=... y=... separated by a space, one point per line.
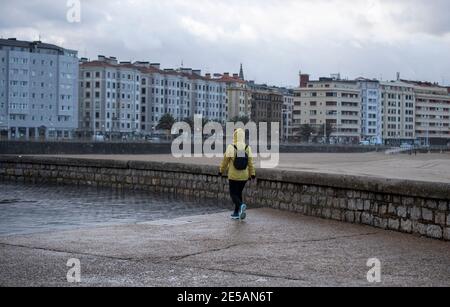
x=38 y=90
x=123 y=99
x=371 y=111
x=398 y=112
x=332 y=102
x=164 y=92
x=238 y=95
x=432 y=113
x=209 y=97
x=287 y=114
x=266 y=103
x=109 y=98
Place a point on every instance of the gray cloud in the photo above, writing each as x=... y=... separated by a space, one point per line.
x=273 y=38
x=429 y=17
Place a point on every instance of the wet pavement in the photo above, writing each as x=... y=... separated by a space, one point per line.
x=139 y=239
x=27 y=208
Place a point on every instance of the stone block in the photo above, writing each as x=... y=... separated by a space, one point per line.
x=394 y=224
x=442 y=206
x=360 y=204
x=306 y=200
x=367 y=205
x=434 y=231
x=427 y=215
x=351 y=204
x=416 y=213
x=358 y=217
x=402 y=211
x=431 y=204
x=367 y=218
x=326 y=213
x=336 y=214
x=350 y=216
x=406 y=226
x=440 y=218
x=447 y=234
x=383 y=209
x=380 y=222
x=407 y=201
x=419 y=228
x=392 y=209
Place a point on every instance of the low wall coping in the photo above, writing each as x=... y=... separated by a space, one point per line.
x=403 y=187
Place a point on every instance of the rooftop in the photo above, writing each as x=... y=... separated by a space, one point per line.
x=146 y=67
x=12 y=42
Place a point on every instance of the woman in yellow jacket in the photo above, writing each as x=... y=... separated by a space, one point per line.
x=238 y=161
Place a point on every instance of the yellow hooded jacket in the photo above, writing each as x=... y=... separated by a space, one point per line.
x=228 y=160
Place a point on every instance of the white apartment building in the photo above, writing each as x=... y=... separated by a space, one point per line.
x=330 y=101
x=109 y=98
x=398 y=112
x=164 y=92
x=38 y=90
x=371 y=111
x=209 y=98
x=287 y=114
x=432 y=118
x=125 y=99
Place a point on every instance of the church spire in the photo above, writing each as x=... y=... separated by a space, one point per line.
x=241 y=73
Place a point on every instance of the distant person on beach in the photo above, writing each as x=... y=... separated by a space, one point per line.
x=238 y=161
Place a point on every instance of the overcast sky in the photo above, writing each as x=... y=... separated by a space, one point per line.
x=274 y=39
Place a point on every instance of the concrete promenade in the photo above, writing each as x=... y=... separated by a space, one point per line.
x=271 y=248
x=432 y=167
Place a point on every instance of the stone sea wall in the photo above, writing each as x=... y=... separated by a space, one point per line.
x=421 y=208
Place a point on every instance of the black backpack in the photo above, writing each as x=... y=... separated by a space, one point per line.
x=240 y=159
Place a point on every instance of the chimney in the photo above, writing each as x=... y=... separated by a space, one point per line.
x=188 y=71
x=226 y=74
x=141 y=64
x=111 y=60
x=304 y=79
x=208 y=76
x=101 y=58
x=197 y=72
x=235 y=76
x=156 y=65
